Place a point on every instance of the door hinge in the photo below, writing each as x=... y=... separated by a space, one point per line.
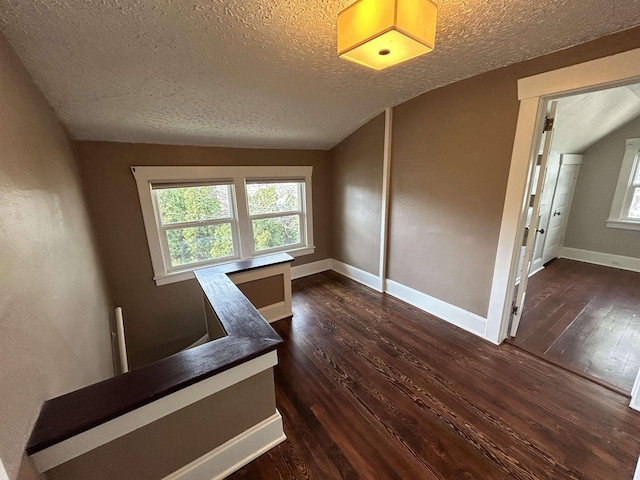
x=548 y=124
x=514 y=309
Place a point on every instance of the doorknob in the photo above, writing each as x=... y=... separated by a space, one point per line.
x=556 y=213
x=540 y=230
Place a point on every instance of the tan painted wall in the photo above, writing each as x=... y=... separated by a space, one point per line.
x=54 y=307
x=166 y=445
x=356 y=182
x=594 y=193
x=265 y=291
x=159 y=321
x=451 y=156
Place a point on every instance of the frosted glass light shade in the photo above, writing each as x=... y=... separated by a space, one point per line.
x=381 y=33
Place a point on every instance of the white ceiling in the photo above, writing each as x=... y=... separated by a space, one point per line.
x=584 y=119
x=262 y=73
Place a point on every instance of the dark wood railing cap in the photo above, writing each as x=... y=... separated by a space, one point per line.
x=248 y=337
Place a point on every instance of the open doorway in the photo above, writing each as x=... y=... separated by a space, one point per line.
x=581 y=310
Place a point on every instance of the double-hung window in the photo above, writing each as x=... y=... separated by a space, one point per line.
x=200 y=216
x=196 y=223
x=625 y=209
x=276 y=214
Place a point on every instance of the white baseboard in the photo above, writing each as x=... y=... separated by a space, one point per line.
x=455 y=315
x=637 y=475
x=635 y=394
x=354 y=273
x=312 y=268
x=599 y=258
x=3 y=472
x=275 y=312
x=450 y=313
x=236 y=453
x=539 y=268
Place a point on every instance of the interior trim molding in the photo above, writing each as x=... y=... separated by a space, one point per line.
x=450 y=313
x=299 y=271
x=236 y=453
x=534 y=93
x=275 y=312
x=354 y=273
x=599 y=258
x=637 y=475
x=600 y=71
x=386 y=196
x=457 y=316
x=635 y=395
x=104 y=433
x=3 y=472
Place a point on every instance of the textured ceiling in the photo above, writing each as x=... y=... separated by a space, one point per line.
x=262 y=73
x=584 y=119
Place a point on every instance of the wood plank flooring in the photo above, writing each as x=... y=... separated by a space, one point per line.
x=372 y=388
x=585 y=318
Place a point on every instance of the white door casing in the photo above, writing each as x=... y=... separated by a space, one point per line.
x=635 y=394
x=534 y=93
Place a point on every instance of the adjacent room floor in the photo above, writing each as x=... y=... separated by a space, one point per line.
x=372 y=388
x=585 y=318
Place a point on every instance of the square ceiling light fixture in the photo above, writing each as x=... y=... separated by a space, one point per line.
x=381 y=33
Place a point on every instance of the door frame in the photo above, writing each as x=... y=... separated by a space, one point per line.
x=635 y=396
x=534 y=92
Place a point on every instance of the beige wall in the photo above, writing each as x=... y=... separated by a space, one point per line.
x=265 y=291
x=451 y=156
x=159 y=321
x=166 y=445
x=594 y=193
x=54 y=308
x=356 y=192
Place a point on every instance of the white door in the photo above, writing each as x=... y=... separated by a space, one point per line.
x=532 y=231
x=565 y=187
x=546 y=200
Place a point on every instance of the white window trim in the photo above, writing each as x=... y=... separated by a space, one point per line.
x=162 y=232
x=301 y=215
x=618 y=217
x=146 y=176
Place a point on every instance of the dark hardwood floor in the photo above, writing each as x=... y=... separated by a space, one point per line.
x=585 y=318
x=372 y=388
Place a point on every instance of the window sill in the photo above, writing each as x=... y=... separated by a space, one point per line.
x=623 y=224
x=182 y=275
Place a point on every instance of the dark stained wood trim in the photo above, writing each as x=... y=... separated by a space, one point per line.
x=248 y=337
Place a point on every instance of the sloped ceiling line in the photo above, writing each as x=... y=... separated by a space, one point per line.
x=262 y=73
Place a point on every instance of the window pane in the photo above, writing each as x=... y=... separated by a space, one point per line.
x=276 y=232
x=634 y=210
x=190 y=204
x=273 y=197
x=198 y=244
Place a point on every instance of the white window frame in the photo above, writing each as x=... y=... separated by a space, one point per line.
x=300 y=213
x=619 y=215
x=244 y=248
x=164 y=239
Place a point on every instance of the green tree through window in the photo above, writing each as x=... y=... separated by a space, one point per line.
x=202 y=204
x=271 y=202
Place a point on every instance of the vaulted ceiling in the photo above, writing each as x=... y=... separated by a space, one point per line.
x=584 y=119
x=262 y=73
